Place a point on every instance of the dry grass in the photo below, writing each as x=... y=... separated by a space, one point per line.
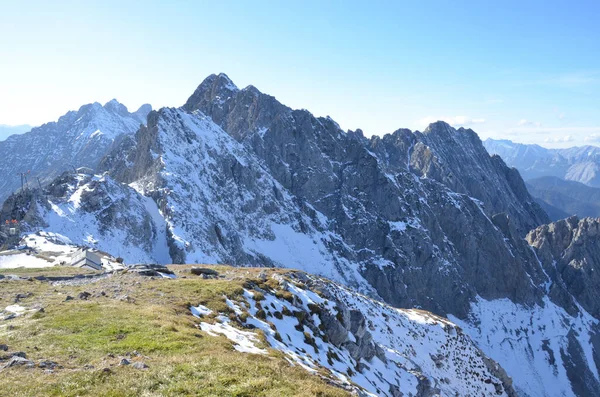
x=156 y=323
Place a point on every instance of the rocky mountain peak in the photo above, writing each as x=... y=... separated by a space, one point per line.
x=252 y=90
x=143 y=111
x=443 y=130
x=225 y=81
x=458 y=159
x=239 y=112
x=438 y=127
x=570 y=234
x=116 y=107
x=214 y=89
x=77 y=139
x=88 y=108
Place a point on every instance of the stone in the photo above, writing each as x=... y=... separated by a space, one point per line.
x=139 y=365
x=126 y=298
x=48 y=364
x=202 y=271
x=17 y=361
x=19 y=297
x=84 y=295
x=150 y=270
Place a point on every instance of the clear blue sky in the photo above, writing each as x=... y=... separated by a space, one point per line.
x=525 y=70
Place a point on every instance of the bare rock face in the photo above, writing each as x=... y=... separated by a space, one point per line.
x=570 y=252
x=458 y=159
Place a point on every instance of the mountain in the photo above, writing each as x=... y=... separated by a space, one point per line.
x=78 y=139
x=580 y=164
x=568 y=197
x=426 y=220
x=8 y=130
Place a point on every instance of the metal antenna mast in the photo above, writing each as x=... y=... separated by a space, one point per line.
x=23 y=176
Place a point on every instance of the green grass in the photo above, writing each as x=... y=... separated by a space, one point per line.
x=182 y=360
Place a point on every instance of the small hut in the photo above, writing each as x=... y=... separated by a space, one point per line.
x=87 y=258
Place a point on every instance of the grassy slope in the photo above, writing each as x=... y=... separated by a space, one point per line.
x=155 y=321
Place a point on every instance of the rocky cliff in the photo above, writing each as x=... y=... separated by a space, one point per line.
x=569 y=250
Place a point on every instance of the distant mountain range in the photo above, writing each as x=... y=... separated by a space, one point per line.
x=564 y=182
x=580 y=164
x=562 y=199
x=8 y=130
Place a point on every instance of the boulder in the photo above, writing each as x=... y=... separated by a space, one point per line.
x=84 y=295
x=203 y=271
x=139 y=365
x=17 y=361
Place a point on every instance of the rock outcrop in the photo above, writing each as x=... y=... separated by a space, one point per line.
x=354 y=341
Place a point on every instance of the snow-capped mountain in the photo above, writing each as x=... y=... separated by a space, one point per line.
x=78 y=139
x=422 y=220
x=580 y=164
